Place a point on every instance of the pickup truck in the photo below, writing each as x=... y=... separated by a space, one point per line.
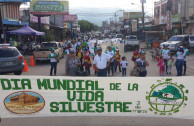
x=43 y=52
x=175 y=42
x=131 y=43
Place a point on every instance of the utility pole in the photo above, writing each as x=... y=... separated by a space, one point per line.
x=1 y=26
x=143 y=21
x=116 y=21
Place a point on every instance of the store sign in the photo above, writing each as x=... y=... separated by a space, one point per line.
x=44 y=20
x=132 y=15
x=42 y=7
x=70 y=18
x=30 y=96
x=15 y=0
x=142 y=1
x=134 y=26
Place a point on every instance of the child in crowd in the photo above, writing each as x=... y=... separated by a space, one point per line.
x=161 y=65
x=170 y=63
x=87 y=63
x=136 y=55
x=117 y=60
x=95 y=53
x=79 y=54
x=124 y=64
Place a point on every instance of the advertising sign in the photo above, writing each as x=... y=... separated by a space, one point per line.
x=142 y=1
x=30 y=96
x=70 y=18
x=169 y=20
x=132 y=15
x=46 y=7
x=44 y=20
x=134 y=26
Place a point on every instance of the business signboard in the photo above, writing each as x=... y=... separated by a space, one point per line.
x=15 y=1
x=47 y=7
x=134 y=25
x=70 y=18
x=44 y=20
x=30 y=96
x=132 y=15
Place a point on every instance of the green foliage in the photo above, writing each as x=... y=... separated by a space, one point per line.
x=86 y=26
x=48 y=35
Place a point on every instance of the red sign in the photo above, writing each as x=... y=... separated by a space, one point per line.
x=70 y=18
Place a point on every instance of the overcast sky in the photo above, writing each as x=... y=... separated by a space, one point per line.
x=97 y=11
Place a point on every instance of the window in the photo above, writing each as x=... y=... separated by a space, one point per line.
x=8 y=52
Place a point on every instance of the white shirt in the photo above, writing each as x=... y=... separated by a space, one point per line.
x=186 y=51
x=101 y=61
x=180 y=55
x=111 y=54
x=52 y=59
x=124 y=63
x=79 y=43
x=165 y=53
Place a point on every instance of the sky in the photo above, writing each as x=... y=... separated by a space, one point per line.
x=97 y=11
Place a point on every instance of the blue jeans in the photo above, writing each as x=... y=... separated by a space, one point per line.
x=53 y=66
x=102 y=73
x=124 y=72
x=143 y=73
x=179 y=66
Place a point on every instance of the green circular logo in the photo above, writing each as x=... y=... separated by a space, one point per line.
x=166 y=97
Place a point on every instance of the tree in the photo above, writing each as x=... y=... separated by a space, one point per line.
x=48 y=35
x=86 y=26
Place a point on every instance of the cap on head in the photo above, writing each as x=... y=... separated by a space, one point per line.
x=52 y=49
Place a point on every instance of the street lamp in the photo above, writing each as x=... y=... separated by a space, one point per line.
x=143 y=16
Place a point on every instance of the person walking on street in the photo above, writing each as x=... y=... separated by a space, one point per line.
x=187 y=53
x=161 y=65
x=87 y=63
x=141 y=64
x=170 y=63
x=180 y=61
x=53 y=60
x=124 y=65
x=111 y=53
x=101 y=62
x=117 y=60
x=165 y=53
x=79 y=54
x=72 y=64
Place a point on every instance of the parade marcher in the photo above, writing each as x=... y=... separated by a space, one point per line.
x=117 y=60
x=93 y=55
x=111 y=53
x=136 y=55
x=180 y=61
x=187 y=53
x=165 y=53
x=161 y=65
x=101 y=62
x=72 y=64
x=87 y=63
x=80 y=55
x=53 y=60
x=170 y=63
x=124 y=64
x=141 y=64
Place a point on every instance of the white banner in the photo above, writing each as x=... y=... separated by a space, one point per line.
x=30 y=96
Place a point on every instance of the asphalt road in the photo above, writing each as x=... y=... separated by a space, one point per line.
x=43 y=68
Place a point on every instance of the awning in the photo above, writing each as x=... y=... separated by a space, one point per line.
x=26 y=30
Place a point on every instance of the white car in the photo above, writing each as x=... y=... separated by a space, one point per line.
x=191 y=41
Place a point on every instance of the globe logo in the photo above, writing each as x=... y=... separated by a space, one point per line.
x=166 y=97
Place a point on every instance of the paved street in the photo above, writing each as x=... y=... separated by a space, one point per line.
x=44 y=67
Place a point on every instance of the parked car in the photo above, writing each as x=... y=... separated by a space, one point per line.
x=191 y=41
x=43 y=53
x=11 y=60
x=176 y=41
x=119 y=35
x=131 y=43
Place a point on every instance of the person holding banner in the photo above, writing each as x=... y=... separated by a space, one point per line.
x=72 y=64
x=141 y=64
x=101 y=62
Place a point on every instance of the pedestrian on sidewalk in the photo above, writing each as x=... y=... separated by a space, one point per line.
x=53 y=60
x=72 y=64
x=161 y=65
x=124 y=65
x=141 y=64
x=187 y=53
x=101 y=62
x=170 y=63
